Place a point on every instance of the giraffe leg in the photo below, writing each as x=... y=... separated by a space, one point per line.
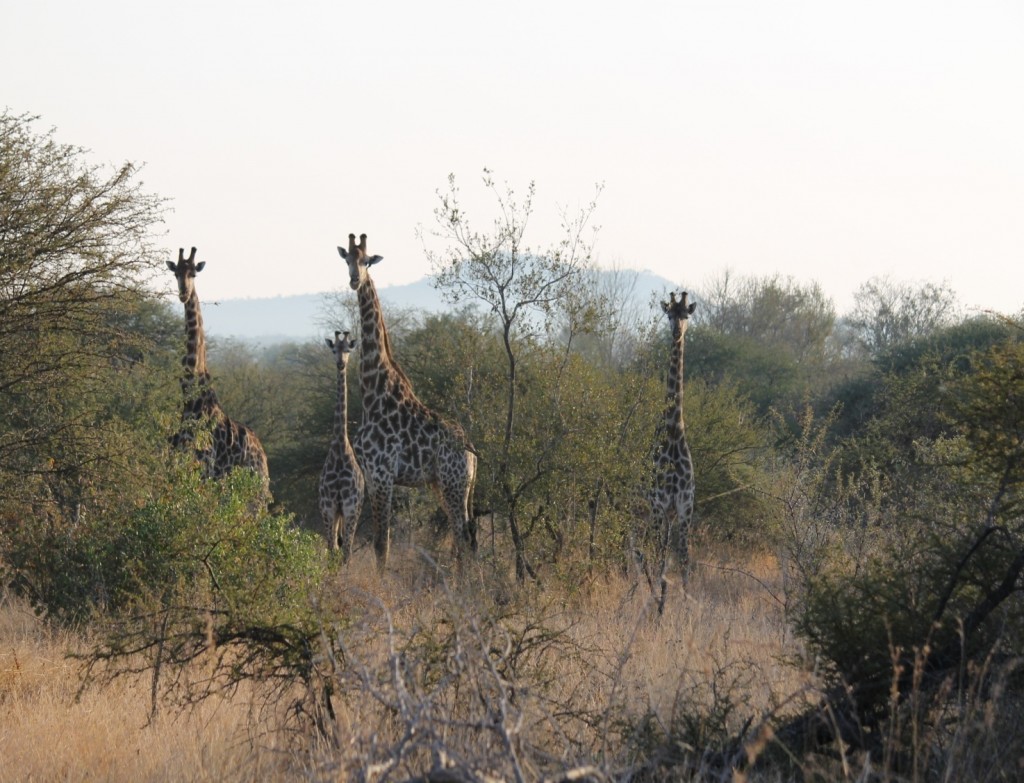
x=683 y=548
x=468 y=500
x=453 y=500
x=666 y=541
x=331 y=520
x=380 y=504
x=351 y=520
x=456 y=494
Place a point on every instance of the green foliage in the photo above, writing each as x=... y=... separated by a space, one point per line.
x=904 y=398
x=82 y=342
x=729 y=443
x=212 y=539
x=191 y=537
x=769 y=335
x=203 y=573
x=943 y=591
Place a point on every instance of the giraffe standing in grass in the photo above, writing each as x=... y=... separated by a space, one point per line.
x=342 y=487
x=231 y=444
x=673 y=491
x=401 y=441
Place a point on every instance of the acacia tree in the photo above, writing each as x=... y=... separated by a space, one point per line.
x=75 y=318
x=888 y=312
x=527 y=291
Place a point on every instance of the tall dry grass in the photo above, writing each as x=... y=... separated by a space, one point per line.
x=433 y=675
x=51 y=732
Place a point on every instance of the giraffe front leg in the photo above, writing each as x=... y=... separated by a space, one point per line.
x=351 y=520
x=685 y=517
x=380 y=505
x=332 y=524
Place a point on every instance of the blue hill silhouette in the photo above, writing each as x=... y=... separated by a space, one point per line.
x=299 y=318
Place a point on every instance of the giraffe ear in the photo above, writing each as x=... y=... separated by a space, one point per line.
x=691 y=308
x=374 y=260
x=200 y=265
x=343 y=253
x=172 y=266
x=329 y=343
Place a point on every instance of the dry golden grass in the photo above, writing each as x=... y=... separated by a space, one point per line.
x=724 y=635
x=48 y=734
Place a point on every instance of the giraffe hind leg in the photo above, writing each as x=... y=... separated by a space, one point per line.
x=455 y=498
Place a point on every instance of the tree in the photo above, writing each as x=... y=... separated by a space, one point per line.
x=524 y=289
x=887 y=312
x=769 y=334
x=75 y=252
x=898 y=402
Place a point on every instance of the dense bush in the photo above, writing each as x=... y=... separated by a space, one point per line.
x=933 y=609
x=210 y=537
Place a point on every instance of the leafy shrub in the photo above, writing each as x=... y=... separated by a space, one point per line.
x=194 y=534
x=934 y=607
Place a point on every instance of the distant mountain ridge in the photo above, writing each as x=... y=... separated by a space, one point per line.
x=298 y=318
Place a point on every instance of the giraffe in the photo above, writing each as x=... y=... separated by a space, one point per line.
x=232 y=443
x=673 y=491
x=342 y=487
x=401 y=441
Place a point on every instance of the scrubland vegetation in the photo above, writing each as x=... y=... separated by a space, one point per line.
x=853 y=611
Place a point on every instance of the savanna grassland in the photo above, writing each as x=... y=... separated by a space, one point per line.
x=854 y=609
x=721 y=652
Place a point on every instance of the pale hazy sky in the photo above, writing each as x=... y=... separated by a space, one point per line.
x=828 y=141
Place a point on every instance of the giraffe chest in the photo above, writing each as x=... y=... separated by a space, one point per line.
x=341 y=459
x=672 y=448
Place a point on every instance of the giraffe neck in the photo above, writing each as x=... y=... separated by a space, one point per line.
x=379 y=373
x=194 y=363
x=200 y=398
x=341 y=412
x=674 y=408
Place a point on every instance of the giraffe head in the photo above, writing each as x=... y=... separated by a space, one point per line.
x=678 y=312
x=185 y=271
x=341 y=347
x=357 y=260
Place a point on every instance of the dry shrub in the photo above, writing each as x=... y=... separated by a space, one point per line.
x=478 y=682
x=471 y=678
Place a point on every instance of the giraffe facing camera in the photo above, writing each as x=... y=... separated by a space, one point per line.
x=672 y=493
x=342 y=487
x=402 y=442
x=231 y=443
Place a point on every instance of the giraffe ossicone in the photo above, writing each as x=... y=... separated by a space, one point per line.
x=402 y=442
